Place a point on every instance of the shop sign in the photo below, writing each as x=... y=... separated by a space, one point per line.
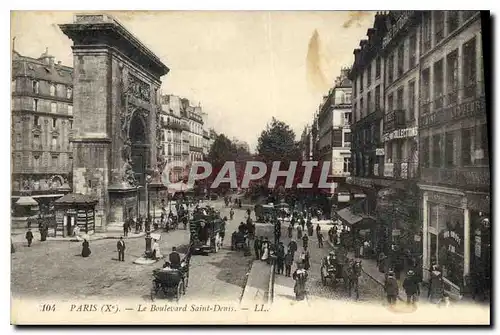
x=380 y=152
x=466 y=109
x=455 y=237
x=400 y=133
x=446 y=199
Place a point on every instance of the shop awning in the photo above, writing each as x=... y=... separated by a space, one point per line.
x=348 y=216
x=26 y=201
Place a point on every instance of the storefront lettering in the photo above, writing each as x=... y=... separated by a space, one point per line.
x=466 y=109
x=400 y=133
x=453 y=235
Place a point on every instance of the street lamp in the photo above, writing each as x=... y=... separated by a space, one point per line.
x=148 y=180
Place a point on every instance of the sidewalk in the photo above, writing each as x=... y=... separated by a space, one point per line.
x=20 y=238
x=370 y=268
x=257 y=286
x=284 y=294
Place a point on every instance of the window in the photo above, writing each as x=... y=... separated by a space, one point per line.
x=425 y=90
x=368 y=103
x=36 y=121
x=449 y=149
x=347 y=100
x=35 y=105
x=53 y=107
x=378 y=67
x=480 y=154
x=36 y=161
x=361 y=82
x=390 y=102
x=35 y=86
x=369 y=75
x=467 y=14
x=411 y=100
x=361 y=108
x=426 y=33
x=70 y=110
x=347 y=139
x=424 y=149
x=399 y=98
x=466 y=146
x=337 y=138
x=413 y=50
x=401 y=60
x=54 y=122
x=452 y=77
x=436 y=150
x=377 y=97
x=438 y=84
x=390 y=69
x=469 y=68
x=388 y=154
x=13 y=86
x=69 y=93
x=70 y=124
x=347 y=118
x=347 y=164
x=52 y=90
x=438 y=25
x=54 y=143
x=453 y=20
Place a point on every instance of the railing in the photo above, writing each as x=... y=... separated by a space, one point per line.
x=467 y=177
x=404 y=170
x=452 y=98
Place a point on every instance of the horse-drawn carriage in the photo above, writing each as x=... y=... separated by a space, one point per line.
x=171 y=281
x=205 y=230
x=338 y=267
x=238 y=240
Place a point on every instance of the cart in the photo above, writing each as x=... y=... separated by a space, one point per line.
x=170 y=282
x=238 y=241
x=334 y=272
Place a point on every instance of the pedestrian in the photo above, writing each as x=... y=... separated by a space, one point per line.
x=318 y=229
x=391 y=288
x=86 y=248
x=120 y=246
x=381 y=262
x=305 y=241
x=257 y=245
x=292 y=246
x=280 y=257
x=411 y=287
x=299 y=233
x=320 y=240
x=174 y=258
x=290 y=230
x=265 y=249
x=277 y=232
x=29 y=237
x=288 y=262
x=125 y=228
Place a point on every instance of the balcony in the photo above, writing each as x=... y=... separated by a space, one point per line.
x=195 y=148
x=465 y=177
x=404 y=170
x=393 y=120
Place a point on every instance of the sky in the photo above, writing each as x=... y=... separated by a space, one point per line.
x=242 y=67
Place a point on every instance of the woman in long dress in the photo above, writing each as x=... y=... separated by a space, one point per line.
x=85 y=248
x=265 y=250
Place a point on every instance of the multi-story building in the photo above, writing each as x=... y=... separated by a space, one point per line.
x=195 y=117
x=454 y=155
x=42 y=122
x=334 y=120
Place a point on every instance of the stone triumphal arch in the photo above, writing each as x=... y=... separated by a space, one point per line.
x=116 y=115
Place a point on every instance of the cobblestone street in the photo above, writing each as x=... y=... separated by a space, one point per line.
x=56 y=268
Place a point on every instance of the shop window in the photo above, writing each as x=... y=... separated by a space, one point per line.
x=451 y=244
x=436 y=150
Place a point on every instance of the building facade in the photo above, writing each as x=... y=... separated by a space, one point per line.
x=172 y=134
x=42 y=126
x=195 y=117
x=334 y=133
x=453 y=136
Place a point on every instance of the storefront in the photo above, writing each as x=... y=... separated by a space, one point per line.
x=454 y=236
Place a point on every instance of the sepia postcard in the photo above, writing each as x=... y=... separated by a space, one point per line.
x=250 y=167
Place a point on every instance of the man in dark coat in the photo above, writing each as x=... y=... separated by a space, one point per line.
x=29 y=237
x=120 y=246
x=280 y=258
x=125 y=228
x=174 y=258
x=391 y=288
x=292 y=246
x=318 y=229
x=411 y=287
x=257 y=245
x=320 y=240
x=290 y=230
x=277 y=232
x=305 y=241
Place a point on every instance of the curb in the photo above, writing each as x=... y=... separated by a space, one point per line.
x=368 y=274
x=270 y=287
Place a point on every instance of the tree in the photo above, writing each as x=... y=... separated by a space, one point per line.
x=277 y=143
x=221 y=151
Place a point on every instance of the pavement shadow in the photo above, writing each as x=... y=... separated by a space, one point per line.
x=233 y=268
